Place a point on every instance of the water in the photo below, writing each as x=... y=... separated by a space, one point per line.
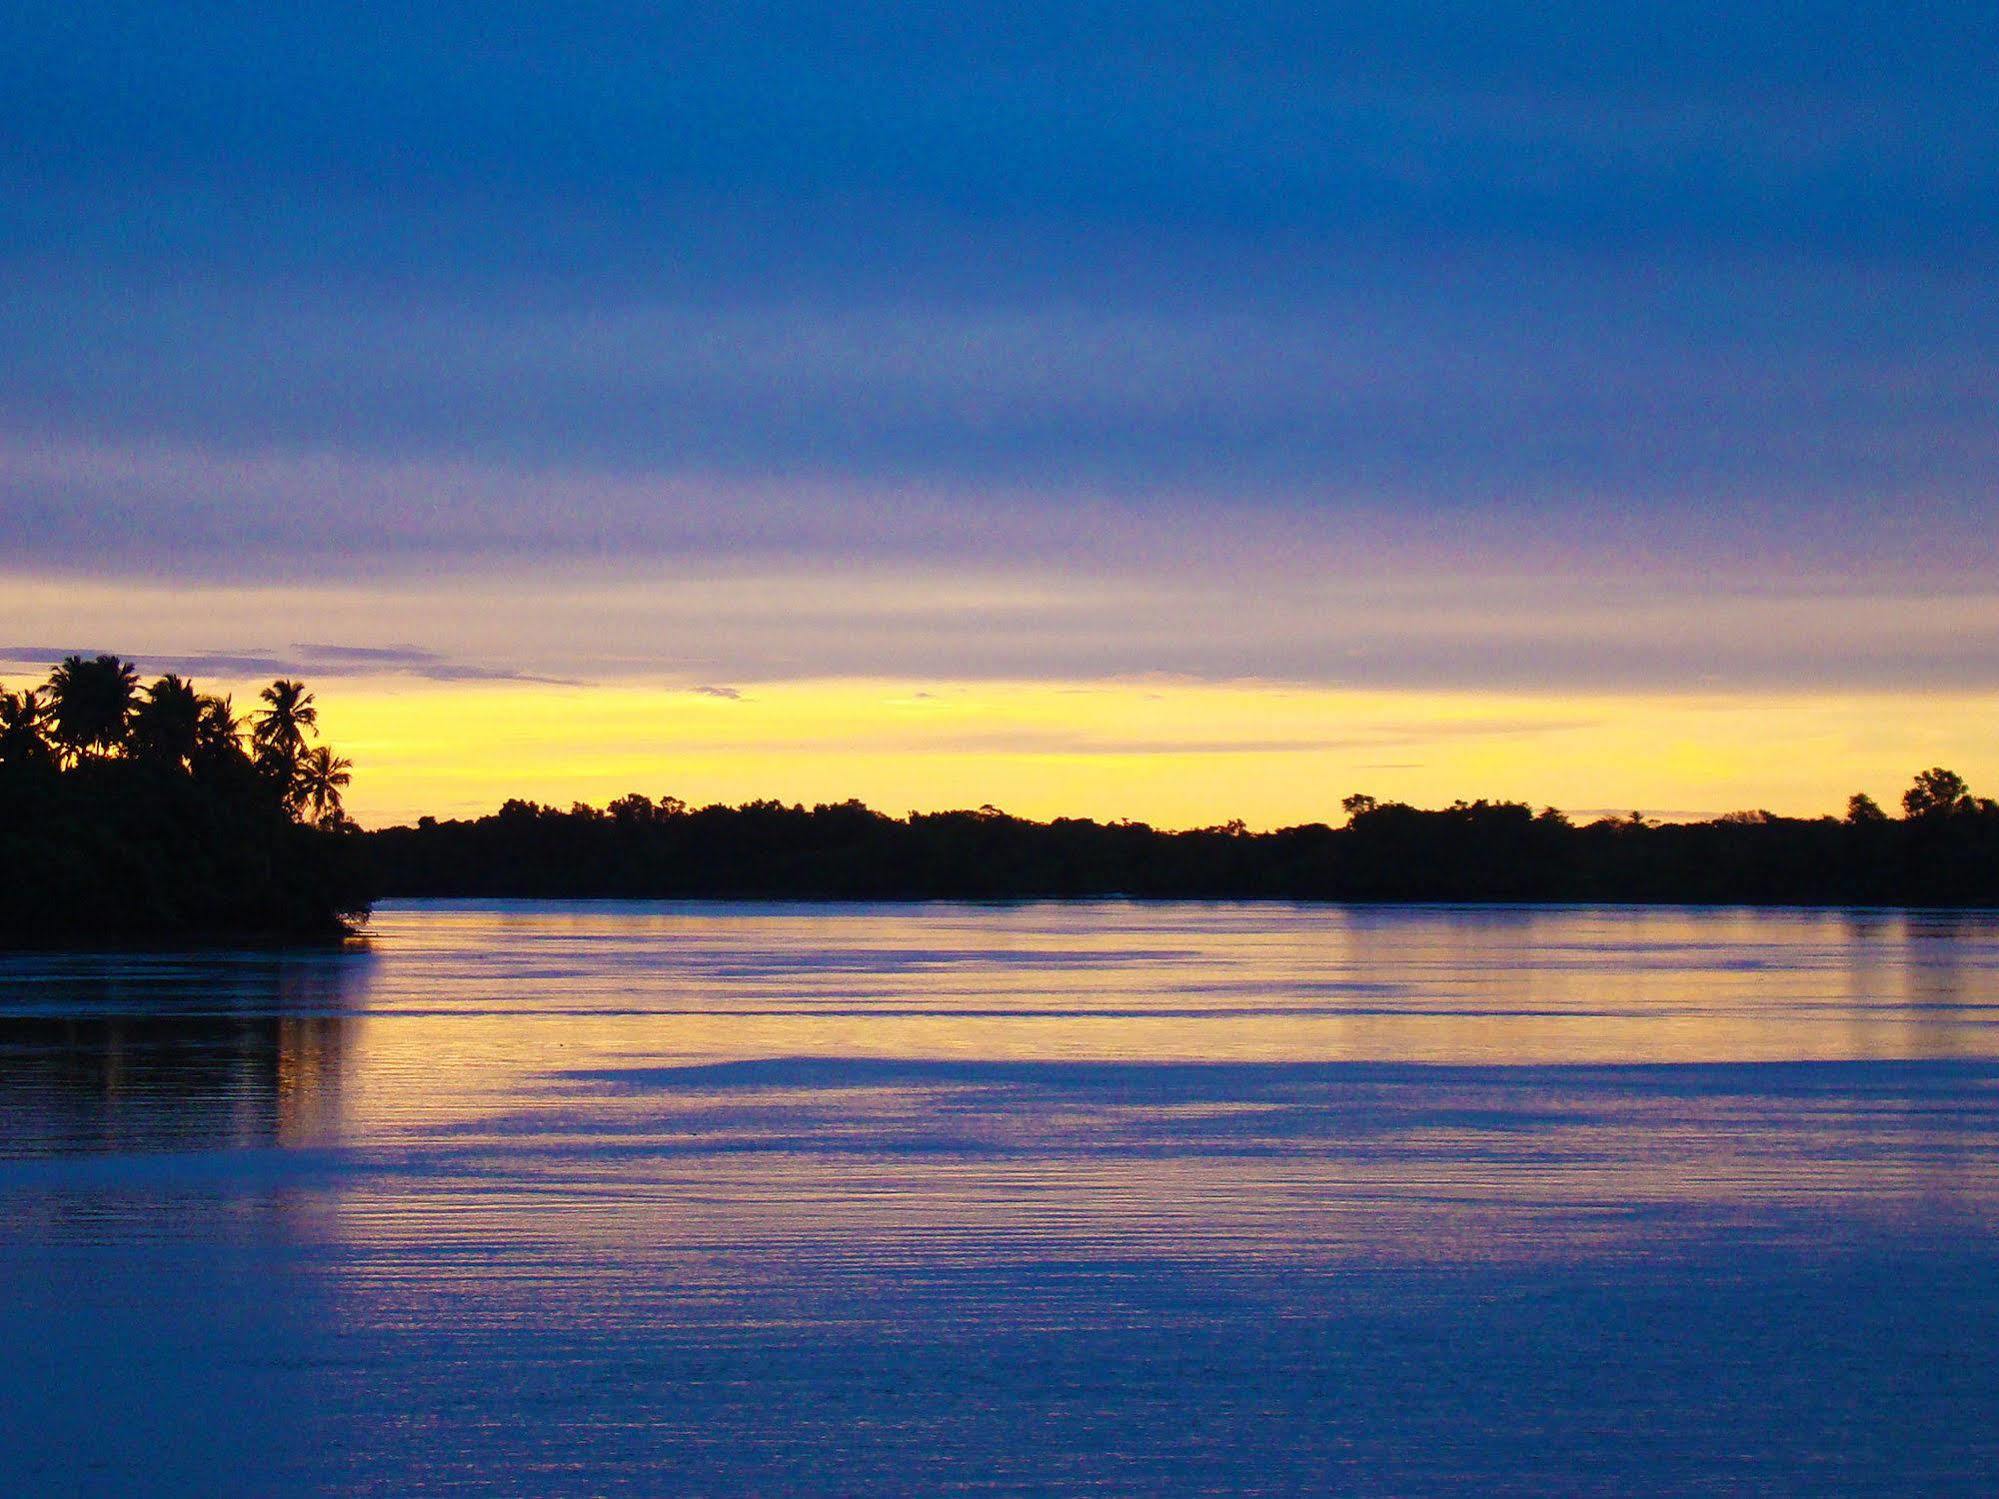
x=1084 y=1198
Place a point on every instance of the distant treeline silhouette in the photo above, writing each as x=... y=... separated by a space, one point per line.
x=143 y=813
x=155 y=812
x=1943 y=850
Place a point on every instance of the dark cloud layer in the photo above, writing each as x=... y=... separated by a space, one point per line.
x=364 y=288
x=724 y=635
x=299 y=661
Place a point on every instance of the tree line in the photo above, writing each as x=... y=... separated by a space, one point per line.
x=149 y=811
x=139 y=811
x=1942 y=850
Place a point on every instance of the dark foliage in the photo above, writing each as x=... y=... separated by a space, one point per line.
x=1479 y=851
x=129 y=817
x=144 y=813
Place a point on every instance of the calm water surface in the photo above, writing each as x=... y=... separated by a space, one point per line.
x=1097 y=1198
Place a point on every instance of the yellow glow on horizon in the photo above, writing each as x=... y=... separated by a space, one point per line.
x=881 y=684
x=1175 y=754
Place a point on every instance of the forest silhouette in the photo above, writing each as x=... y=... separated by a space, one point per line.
x=1943 y=850
x=132 y=812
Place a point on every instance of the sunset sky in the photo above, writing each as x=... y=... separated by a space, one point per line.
x=1177 y=412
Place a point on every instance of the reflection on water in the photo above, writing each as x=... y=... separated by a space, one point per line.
x=142 y=1084
x=577 y=1198
x=149 y=1053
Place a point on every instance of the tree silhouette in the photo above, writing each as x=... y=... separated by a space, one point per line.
x=279 y=733
x=137 y=814
x=218 y=733
x=1388 y=851
x=166 y=726
x=1860 y=807
x=24 y=729
x=320 y=778
x=288 y=715
x=1936 y=793
x=91 y=702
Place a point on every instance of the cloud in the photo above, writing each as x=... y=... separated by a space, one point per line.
x=728 y=693
x=1505 y=401
x=40 y=654
x=924 y=292
x=1273 y=345
x=301 y=661
x=1295 y=620
x=368 y=655
x=411 y=661
x=212 y=663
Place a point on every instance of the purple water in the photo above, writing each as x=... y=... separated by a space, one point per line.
x=1099 y=1198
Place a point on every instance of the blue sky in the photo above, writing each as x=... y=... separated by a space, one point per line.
x=1678 y=305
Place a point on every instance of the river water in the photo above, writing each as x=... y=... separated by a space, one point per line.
x=1082 y=1198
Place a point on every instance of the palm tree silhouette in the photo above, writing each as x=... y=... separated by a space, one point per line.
x=23 y=724
x=279 y=733
x=91 y=702
x=283 y=724
x=166 y=727
x=218 y=731
x=151 y=812
x=317 y=784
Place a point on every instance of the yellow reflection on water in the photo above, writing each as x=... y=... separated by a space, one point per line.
x=845 y=1083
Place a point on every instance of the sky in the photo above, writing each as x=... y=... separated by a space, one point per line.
x=1179 y=412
